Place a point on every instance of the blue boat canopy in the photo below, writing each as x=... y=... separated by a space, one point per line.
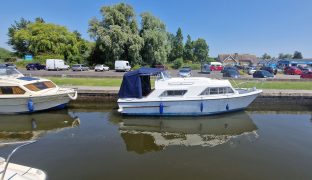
x=136 y=84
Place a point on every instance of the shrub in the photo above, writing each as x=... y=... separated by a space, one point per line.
x=135 y=67
x=177 y=63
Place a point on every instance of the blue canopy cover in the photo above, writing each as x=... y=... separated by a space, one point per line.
x=136 y=84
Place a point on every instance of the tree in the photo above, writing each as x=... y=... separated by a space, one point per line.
x=265 y=56
x=201 y=50
x=156 y=46
x=116 y=35
x=18 y=45
x=40 y=39
x=297 y=55
x=188 y=49
x=284 y=56
x=177 y=46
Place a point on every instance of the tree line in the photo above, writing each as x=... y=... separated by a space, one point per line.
x=296 y=55
x=116 y=35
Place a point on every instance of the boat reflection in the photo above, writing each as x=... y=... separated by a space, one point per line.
x=146 y=134
x=31 y=126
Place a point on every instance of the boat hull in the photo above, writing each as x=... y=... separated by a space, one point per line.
x=39 y=103
x=188 y=107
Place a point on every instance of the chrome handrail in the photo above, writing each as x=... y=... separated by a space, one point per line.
x=14 y=150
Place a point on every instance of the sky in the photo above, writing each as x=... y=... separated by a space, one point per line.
x=228 y=26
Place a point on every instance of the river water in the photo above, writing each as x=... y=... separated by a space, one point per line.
x=98 y=143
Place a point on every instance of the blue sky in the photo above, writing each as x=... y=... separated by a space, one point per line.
x=229 y=26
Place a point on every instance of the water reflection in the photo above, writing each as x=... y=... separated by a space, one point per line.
x=31 y=126
x=145 y=134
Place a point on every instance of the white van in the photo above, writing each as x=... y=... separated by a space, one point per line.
x=56 y=64
x=121 y=65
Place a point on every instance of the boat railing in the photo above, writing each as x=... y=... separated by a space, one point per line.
x=7 y=161
x=249 y=85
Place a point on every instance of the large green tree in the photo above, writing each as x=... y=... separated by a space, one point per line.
x=117 y=35
x=188 y=53
x=156 y=46
x=39 y=39
x=201 y=50
x=177 y=46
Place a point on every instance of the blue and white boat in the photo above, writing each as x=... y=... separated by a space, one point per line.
x=20 y=94
x=179 y=96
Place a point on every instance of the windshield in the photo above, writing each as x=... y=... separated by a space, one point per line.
x=266 y=73
x=184 y=70
x=9 y=71
x=163 y=75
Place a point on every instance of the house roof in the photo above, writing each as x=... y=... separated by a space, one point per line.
x=237 y=57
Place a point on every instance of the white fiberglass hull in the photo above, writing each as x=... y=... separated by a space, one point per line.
x=39 y=103
x=187 y=106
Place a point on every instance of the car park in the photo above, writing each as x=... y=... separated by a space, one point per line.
x=80 y=67
x=306 y=75
x=232 y=73
x=185 y=72
x=292 y=70
x=35 y=66
x=270 y=69
x=101 y=67
x=262 y=74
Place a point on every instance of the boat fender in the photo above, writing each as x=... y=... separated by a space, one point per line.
x=161 y=108
x=201 y=107
x=227 y=107
x=30 y=105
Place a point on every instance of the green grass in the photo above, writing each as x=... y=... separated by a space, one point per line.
x=87 y=81
x=115 y=82
x=296 y=85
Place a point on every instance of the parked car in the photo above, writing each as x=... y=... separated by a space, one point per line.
x=292 y=70
x=232 y=73
x=306 y=69
x=205 y=69
x=270 y=69
x=101 y=67
x=56 y=64
x=262 y=74
x=216 y=66
x=251 y=70
x=35 y=66
x=307 y=75
x=80 y=67
x=10 y=65
x=185 y=72
x=160 y=66
x=121 y=65
x=228 y=68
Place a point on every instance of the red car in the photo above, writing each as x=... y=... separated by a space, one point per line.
x=216 y=68
x=292 y=71
x=307 y=75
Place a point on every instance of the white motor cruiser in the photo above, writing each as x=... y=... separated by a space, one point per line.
x=179 y=96
x=21 y=94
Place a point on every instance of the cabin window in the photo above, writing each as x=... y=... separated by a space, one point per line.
x=217 y=90
x=11 y=90
x=38 y=86
x=173 y=93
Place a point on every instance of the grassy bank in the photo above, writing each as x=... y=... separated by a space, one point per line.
x=297 y=85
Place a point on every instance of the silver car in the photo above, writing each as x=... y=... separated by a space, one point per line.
x=101 y=67
x=185 y=72
x=80 y=67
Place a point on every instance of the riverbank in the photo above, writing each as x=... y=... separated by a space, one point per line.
x=270 y=99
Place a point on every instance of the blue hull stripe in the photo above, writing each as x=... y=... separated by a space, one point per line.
x=183 y=114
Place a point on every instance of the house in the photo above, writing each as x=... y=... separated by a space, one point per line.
x=237 y=59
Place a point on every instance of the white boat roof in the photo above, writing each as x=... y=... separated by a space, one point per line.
x=178 y=83
x=20 y=81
